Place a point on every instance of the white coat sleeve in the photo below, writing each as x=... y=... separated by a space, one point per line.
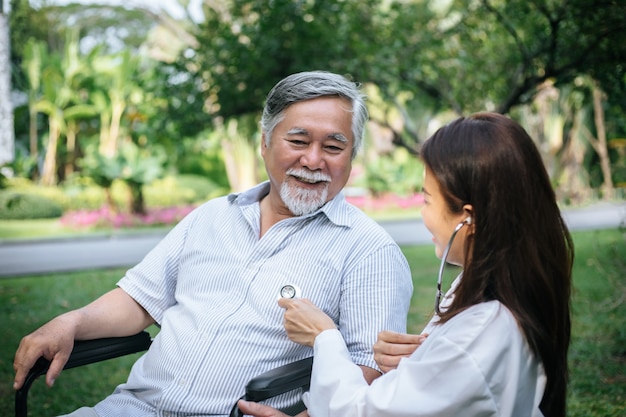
x=439 y=380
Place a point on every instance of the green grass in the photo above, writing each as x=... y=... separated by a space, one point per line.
x=597 y=353
x=11 y=230
x=28 y=229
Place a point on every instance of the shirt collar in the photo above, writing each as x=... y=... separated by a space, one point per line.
x=336 y=210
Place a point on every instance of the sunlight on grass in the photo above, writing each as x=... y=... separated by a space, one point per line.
x=25 y=229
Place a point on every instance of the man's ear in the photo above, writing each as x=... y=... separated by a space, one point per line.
x=263 y=144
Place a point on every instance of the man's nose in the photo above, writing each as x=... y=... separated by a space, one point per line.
x=313 y=158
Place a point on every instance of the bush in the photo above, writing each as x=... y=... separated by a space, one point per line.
x=181 y=190
x=81 y=193
x=26 y=186
x=19 y=206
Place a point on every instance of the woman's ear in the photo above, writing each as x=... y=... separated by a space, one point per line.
x=469 y=211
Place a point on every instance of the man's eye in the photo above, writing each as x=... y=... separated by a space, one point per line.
x=334 y=149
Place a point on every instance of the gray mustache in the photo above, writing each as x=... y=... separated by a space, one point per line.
x=308 y=175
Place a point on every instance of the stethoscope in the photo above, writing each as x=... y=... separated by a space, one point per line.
x=289 y=291
x=439 y=295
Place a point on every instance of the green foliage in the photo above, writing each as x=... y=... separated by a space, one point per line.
x=173 y=111
x=26 y=23
x=247 y=46
x=427 y=60
x=132 y=164
x=181 y=190
x=203 y=157
x=14 y=205
x=82 y=193
x=397 y=172
x=617 y=147
x=56 y=194
x=3 y=180
x=23 y=165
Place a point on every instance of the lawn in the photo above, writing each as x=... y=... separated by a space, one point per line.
x=597 y=353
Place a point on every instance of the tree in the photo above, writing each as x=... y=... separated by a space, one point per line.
x=33 y=56
x=7 y=131
x=245 y=47
x=62 y=100
x=27 y=24
x=493 y=54
x=599 y=142
x=420 y=60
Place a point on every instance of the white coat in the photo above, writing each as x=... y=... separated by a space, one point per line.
x=476 y=364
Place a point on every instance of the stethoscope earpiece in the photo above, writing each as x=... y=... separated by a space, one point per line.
x=439 y=295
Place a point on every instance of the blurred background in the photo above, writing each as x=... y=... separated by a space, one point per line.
x=129 y=108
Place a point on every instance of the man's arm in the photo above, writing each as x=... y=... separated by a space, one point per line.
x=113 y=314
x=370 y=374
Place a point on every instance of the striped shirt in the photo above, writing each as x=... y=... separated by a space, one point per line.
x=212 y=286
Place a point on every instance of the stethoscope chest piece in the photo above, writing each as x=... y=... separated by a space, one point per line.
x=289 y=291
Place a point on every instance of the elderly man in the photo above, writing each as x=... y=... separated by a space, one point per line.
x=212 y=283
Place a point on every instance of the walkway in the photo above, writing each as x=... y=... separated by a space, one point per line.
x=19 y=258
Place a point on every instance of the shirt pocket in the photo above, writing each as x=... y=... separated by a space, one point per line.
x=316 y=282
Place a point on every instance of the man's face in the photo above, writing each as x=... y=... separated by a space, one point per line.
x=309 y=159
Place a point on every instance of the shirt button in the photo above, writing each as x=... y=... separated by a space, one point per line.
x=182 y=382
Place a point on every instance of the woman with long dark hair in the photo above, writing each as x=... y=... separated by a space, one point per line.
x=497 y=343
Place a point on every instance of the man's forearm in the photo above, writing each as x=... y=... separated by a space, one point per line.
x=113 y=314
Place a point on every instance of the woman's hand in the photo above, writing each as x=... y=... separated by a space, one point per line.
x=391 y=347
x=304 y=320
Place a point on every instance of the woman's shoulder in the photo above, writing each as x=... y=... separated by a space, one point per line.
x=489 y=323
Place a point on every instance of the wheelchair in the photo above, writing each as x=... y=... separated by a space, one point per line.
x=267 y=385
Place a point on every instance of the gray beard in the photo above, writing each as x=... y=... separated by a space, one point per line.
x=300 y=201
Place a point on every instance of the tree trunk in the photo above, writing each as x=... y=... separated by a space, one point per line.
x=239 y=158
x=574 y=185
x=600 y=144
x=70 y=158
x=49 y=171
x=32 y=132
x=137 y=203
x=7 y=132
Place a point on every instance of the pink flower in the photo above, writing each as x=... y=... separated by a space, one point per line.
x=105 y=218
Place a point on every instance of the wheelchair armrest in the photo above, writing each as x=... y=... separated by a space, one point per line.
x=84 y=353
x=277 y=381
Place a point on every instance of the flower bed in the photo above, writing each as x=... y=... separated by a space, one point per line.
x=106 y=218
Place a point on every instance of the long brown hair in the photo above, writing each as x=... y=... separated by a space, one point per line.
x=521 y=252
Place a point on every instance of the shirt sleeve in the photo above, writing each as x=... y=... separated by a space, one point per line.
x=152 y=282
x=376 y=296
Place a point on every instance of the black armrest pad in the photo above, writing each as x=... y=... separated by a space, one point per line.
x=92 y=351
x=84 y=353
x=280 y=380
x=97 y=350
